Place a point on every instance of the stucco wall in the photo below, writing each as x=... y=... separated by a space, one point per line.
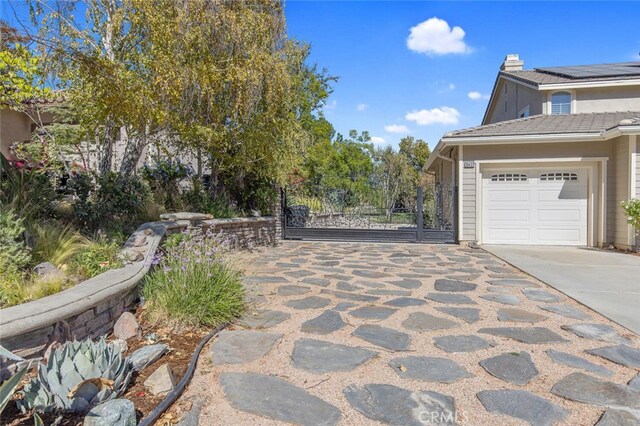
x=14 y=127
x=609 y=99
x=517 y=97
x=547 y=150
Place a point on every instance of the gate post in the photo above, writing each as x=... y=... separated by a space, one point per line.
x=419 y=215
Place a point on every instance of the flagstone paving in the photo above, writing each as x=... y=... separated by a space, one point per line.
x=355 y=334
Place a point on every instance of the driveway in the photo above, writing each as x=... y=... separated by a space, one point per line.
x=607 y=282
x=410 y=334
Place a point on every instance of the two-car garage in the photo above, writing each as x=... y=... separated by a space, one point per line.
x=538 y=206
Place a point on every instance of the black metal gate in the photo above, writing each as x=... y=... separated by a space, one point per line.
x=428 y=215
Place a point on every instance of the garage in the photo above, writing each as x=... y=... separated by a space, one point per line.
x=542 y=206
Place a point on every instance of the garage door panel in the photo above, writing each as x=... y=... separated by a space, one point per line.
x=549 y=207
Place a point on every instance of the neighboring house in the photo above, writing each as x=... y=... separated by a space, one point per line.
x=16 y=126
x=557 y=151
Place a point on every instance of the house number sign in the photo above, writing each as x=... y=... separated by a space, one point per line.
x=469 y=164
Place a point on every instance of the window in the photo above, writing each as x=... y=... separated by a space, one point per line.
x=558 y=176
x=524 y=112
x=561 y=103
x=509 y=177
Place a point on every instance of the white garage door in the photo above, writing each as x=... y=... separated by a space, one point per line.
x=535 y=206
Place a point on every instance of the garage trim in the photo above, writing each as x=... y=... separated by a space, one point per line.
x=596 y=229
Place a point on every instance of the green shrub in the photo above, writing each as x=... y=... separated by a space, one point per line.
x=14 y=253
x=97 y=257
x=632 y=210
x=164 y=178
x=17 y=287
x=197 y=199
x=56 y=243
x=29 y=194
x=193 y=286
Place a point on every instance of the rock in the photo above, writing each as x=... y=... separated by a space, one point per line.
x=513 y=283
x=344 y=306
x=147 y=355
x=519 y=315
x=429 y=369
x=350 y=296
x=453 y=285
x=369 y=274
x=299 y=273
x=345 y=286
x=410 y=284
x=116 y=412
x=613 y=417
x=276 y=399
x=507 y=299
x=311 y=302
x=387 y=292
x=526 y=334
x=403 y=302
x=567 y=311
x=120 y=344
x=126 y=327
x=292 y=290
x=322 y=357
x=263 y=319
x=583 y=388
x=635 y=383
x=516 y=368
x=469 y=315
x=538 y=295
x=419 y=321
x=192 y=417
x=396 y=406
x=46 y=271
x=322 y=282
x=469 y=343
x=601 y=332
x=522 y=405
x=239 y=347
x=255 y=213
x=161 y=381
x=620 y=354
x=501 y=290
x=372 y=312
x=577 y=362
x=327 y=322
x=454 y=299
x=383 y=337
x=191 y=217
x=261 y=279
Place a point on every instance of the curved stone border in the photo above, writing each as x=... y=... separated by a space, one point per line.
x=91 y=307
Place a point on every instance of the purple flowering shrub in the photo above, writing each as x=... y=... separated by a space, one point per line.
x=192 y=285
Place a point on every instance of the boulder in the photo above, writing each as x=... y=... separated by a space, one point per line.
x=126 y=327
x=117 y=412
x=161 y=381
x=46 y=271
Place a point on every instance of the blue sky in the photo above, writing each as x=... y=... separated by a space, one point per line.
x=383 y=82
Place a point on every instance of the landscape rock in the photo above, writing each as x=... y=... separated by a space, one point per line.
x=620 y=354
x=242 y=346
x=126 y=327
x=523 y=405
x=513 y=283
x=567 y=311
x=383 y=337
x=322 y=282
x=120 y=344
x=322 y=357
x=403 y=302
x=614 y=417
x=147 y=355
x=577 y=362
x=635 y=383
x=454 y=299
x=292 y=290
x=311 y=302
x=161 y=381
x=469 y=315
x=46 y=271
x=277 y=399
x=392 y=405
x=372 y=312
x=470 y=343
x=590 y=390
x=263 y=319
x=430 y=369
x=538 y=295
x=327 y=322
x=350 y=296
x=516 y=368
x=453 y=285
x=506 y=299
x=526 y=334
x=419 y=321
x=519 y=315
x=407 y=283
x=601 y=332
x=116 y=412
x=344 y=306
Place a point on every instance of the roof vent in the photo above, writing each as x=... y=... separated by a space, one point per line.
x=512 y=63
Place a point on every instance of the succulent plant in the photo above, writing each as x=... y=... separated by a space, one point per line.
x=77 y=376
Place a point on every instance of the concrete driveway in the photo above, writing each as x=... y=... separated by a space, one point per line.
x=607 y=282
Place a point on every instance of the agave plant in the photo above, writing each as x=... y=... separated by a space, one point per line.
x=77 y=376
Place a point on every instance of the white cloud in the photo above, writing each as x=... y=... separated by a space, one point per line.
x=435 y=37
x=477 y=96
x=362 y=107
x=396 y=128
x=451 y=86
x=426 y=117
x=331 y=105
x=377 y=140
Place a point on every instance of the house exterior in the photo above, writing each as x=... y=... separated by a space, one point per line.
x=557 y=152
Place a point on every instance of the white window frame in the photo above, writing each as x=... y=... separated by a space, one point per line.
x=573 y=100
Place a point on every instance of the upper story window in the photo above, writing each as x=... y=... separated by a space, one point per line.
x=561 y=103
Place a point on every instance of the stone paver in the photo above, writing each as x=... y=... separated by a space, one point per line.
x=396 y=406
x=277 y=399
x=516 y=367
x=361 y=333
x=522 y=405
x=321 y=357
x=429 y=369
x=614 y=417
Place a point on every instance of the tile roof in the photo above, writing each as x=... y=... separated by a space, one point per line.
x=551 y=124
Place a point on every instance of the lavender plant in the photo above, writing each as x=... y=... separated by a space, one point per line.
x=192 y=285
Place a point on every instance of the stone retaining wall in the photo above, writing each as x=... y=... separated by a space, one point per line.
x=90 y=308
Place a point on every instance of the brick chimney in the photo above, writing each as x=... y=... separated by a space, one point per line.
x=512 y=63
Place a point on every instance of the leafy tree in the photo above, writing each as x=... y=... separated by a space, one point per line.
x=417 y=153
x=394 y=177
